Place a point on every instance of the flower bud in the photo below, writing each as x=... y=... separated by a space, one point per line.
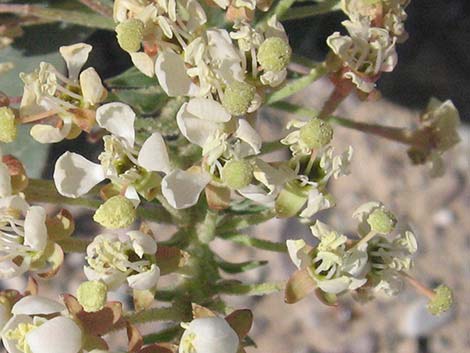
x=274 y=54
x=238 y=97
x=237 y=174
x=442 y=300
x=316 y=133
x=92 y=295
x=381 y=221
x=8 y=129
x=130 y=34
x=116 y=212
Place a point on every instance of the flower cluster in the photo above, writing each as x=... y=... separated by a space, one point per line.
x=374 y=27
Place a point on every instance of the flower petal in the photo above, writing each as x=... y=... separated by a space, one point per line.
x=198 y=131
x=144 y=63
x=182 y=188
x=50 y=134
x=153 y=155
x=93 y=90
x=36 y=305
x=172 y=76
x=208 y=109
x=74 y=175
x=35 y=230
x=10 y=344
x=145 y=280
x=246 y=133
x=75 y=57
x=118 y=119
x=142 y=243
x=65 y=333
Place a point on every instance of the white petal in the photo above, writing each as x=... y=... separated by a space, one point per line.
x=246 y=133
x=213 y=335
x=198 y=131
x=145 y=280
x=74 y=175
x=36 y=305
x=293 y=248
x=144 y=63
x=182 y=188
x=58 y=335
x=132 y=195
x=5 y=180
x=10 y=345
x=93 y=90
x=75 y=57
x=172 y=76
x=334 y=286
x=118 y=119
x=153 y=155
x=35 y=230
x=208 y=109
x=49 y=134
x=9 y=269
x=16 y=202
x=258 y=195
x=142 y=243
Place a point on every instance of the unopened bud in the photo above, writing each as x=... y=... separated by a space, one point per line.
x=8 y=129
x=316 y=133
x=130 y=34
x=381 y=221
x=237 y=174
x=92 y=295
x=442 y=300
x=238 y=97
x=116 y=212
x=274 y=54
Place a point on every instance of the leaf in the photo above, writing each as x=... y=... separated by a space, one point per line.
x=299 y=286
x=131 y=78
x=164 y=335
x=145 y=101
x=247 y=240
x=170 y=259
x=231 y=267
x=241 y=322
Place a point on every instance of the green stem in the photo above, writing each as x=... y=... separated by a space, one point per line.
x=246 y=240
x=40 y=190
x=77 y=245
x=206 y=231
x=68 y=16
x=312 y=10
x=278 y=10
x=155 y=314
x=234 y=288
x=98 y=7
x=234 y=223
x=402 y=135
x=297 y=85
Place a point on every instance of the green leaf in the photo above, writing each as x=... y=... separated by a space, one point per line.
x=246 y=240
x=247 y=207
x=234 y=223
x=231 y=267
x=131 y=78
x=145 y=101
x=165 y=335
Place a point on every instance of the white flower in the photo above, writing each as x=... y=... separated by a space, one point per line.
x=367 y=52
x=333 y=267
x=209 y=335
x=115 y=259
x=46 y=87
x=28 y=331
x=23 y=235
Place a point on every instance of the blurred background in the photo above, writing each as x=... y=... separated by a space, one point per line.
x=435 y=61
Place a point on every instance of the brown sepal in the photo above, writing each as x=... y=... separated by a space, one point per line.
x=62 y=225
x=84 y=118
x=218 y=197
x=299 y=285
x=32 y=287
x=200 y=311
x=135 y=339
x=241 y=322
x=159 y=348
x=170 y=259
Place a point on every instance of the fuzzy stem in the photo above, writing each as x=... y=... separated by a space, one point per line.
x=312 y=10
x=297 y=85
x=420 y=288
x=206 y=231
x=234 y=223
x=262 y=244
x=98 y=7
x=68 y=16
x=339 y=94
x=401 y=135
x=155 y=314
x=233 y=288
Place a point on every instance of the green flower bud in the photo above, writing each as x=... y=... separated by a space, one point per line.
x=381 y=221
x=8 y=130
x=130 y=34
x=237 y=174
x=238 y=97
x=92 y=295
x=316 y=133
x=442 y=301
x=274 y=54
x=116 y=212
